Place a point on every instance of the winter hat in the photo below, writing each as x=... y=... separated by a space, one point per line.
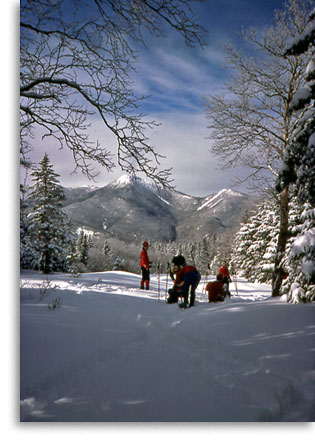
x=145 y=244
x=178 y=260
x=220 y=276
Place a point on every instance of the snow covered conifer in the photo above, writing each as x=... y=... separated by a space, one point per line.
x=299 y=169
x=84 y=250
x=49 y=227
x=106 y=248
x=83 y=246
x=255 y=244
x=27 y=251
x=300 y=262
x=119 y=264
x=255 y=248
x=299 y=165
x=204 y=255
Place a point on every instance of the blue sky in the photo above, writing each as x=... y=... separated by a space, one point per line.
x=176 y=78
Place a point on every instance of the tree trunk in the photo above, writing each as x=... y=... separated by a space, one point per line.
x=282 y=241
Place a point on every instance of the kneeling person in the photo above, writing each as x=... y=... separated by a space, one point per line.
x=217 y=290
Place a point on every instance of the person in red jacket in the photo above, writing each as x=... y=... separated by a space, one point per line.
x=226 y=274
x=145 y=267
x=215 y=289
x=187 y=278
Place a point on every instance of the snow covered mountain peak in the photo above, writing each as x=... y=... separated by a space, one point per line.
x=126 y=180
x=122 y=181
x=213 y=200
x=229 y=192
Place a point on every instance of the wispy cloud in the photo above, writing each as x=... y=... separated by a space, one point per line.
x=176 y=77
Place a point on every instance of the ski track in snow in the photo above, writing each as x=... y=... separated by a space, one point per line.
x=113 y=352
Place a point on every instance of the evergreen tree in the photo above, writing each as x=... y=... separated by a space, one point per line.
x=72 y=258
x=119 y=264
x=204 y=256
x=299 y=169
x=27 y=251
x=83 y=246
x=243 y=260
x=106 y=248
x=255 y=248
x=299 y=164
x=192 y=252
x=49 y=228
x=300 y=261
x=265 y=240
x=255 y=245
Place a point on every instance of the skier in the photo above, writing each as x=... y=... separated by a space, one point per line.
x=145 y=267
x=226 y=274
x=173 y=292
x=187 y=278
x=173 y=272
x=217 y=290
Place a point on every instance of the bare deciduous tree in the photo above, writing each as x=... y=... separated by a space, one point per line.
x=76 y=59
x=250 y=122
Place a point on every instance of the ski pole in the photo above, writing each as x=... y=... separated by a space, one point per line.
x=203 y=293
x=204 y=282
x=158 y=266
x=235 y=283
x=168 y=267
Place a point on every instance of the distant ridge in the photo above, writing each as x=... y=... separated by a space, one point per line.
x=131 y=208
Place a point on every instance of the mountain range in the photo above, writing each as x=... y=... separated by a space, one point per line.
x=131 y=209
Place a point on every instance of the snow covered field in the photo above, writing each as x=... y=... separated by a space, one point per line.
x=114 y=353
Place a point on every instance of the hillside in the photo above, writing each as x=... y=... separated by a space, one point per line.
x=131 y=209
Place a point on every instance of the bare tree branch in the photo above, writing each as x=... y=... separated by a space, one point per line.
x=76 y=60
x=249 y=122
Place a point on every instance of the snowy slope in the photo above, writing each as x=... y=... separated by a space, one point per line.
x=114 y=353
x=212 y=201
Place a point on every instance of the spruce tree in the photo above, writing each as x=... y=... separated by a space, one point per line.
x=106 y=248
x=300 y=261
x=49 y=228
x=255 y=244
x=83 y=248
x=204 y=256
x=299 y=169
x=255 y=248
x=27 y=251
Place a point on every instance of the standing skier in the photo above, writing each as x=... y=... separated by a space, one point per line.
x=145 y=267
x=226 y=274
x=187 y=278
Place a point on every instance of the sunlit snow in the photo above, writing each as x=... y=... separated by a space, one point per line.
x=112 y=352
